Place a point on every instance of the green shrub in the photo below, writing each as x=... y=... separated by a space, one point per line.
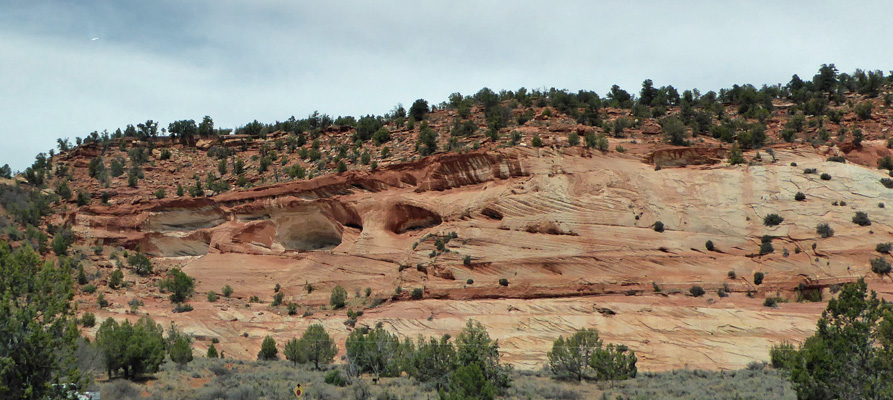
x=770 y=302
x=658 y=226
x=82 y=276
x=674 y=131
x=536 y=141
x=772 y=220
x=292 y=308
x=884 y=247
x=140 y=264
x=880 y=266
x=277 y=299
x=268 y=350
x=824 y=230
x=182 y=307
x=696 y=291
x=781 y=355
x=469 y=281
x=88 y=320
x=758 y=278
x=334 y=378
x=62 y=240
x=799 y=196
x=887 y=182
x=582 y=356
x=731 y=274
x=417 y=293
x=503 y=282
x=135 y=304
x=735 y=155
x=861 y=219
x=136 y=349
x=766 y=245
x=338 y=297
x=852 y=327
x=863 y=110
x=825 y=176
x=101 y=301
x=212 y=296
x=89 y=289
x=181 y=350
x=83 y=198
x=212 y=351
x=709 y=245
x=180 y=285
x=227 y=291
x=418 y=110
x=886 y=162
x=116 y=279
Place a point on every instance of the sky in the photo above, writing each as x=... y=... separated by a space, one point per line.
x=69 y=67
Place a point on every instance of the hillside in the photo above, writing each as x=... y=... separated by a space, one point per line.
x=595 y=212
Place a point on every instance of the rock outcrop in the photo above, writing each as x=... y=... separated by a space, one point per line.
x=570 y=232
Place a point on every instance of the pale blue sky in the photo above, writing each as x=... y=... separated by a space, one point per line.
x=269 y=59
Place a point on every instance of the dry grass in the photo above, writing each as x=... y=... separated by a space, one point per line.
x=211 y=379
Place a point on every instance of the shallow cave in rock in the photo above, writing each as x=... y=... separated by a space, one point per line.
x=405 y=217
x=310 y=232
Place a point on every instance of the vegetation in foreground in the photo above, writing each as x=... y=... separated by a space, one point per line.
x=207 y=379
x=849 y=356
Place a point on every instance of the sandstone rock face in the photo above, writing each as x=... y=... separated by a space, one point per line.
x=571 y=231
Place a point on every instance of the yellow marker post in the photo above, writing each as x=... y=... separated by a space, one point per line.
x=299 y=391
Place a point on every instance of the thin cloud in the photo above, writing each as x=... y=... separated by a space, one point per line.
x=267 y=60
